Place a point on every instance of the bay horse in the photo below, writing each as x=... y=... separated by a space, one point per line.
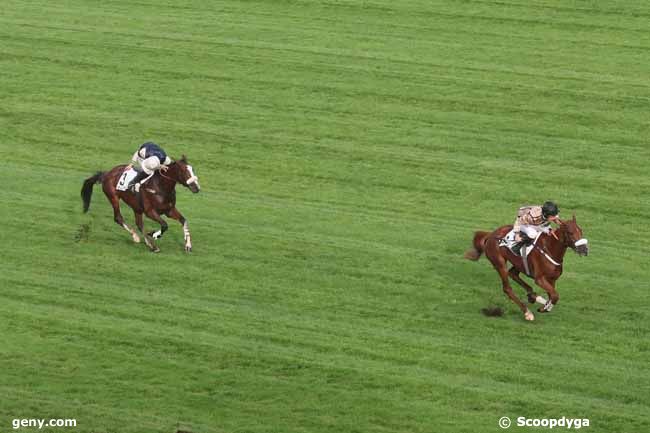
x=544 y=261
x=157 y=197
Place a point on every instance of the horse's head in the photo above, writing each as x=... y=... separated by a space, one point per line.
x=182 y=172
x=571 y=235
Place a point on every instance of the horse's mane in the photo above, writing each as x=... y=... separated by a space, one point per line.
x=182 y=159
x=564 y=226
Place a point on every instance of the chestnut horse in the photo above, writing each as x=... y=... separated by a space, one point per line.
x=544 y=261
x=157 y=197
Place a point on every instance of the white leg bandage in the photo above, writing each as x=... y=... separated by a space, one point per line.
x=541 y=300
x=186 y=231
x=134 y=235
x=186 y=235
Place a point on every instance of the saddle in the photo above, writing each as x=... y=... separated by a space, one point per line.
x=509 y=241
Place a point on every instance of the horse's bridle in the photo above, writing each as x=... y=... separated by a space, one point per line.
x=192 y=179
x=575 y=245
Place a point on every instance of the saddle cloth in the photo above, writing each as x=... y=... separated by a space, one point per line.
x=125 y=179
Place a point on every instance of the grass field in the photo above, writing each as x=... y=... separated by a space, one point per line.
x=347 y=151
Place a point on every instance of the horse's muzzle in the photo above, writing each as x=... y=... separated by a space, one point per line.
x=193 y=184
x=582 y=247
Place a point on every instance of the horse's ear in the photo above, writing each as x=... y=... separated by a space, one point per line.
x=574 y=217
x=184 y=158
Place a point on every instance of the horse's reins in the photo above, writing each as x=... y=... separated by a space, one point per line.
x=547 y=255
x=554 y=235
x=167 y=177
x=544 y=252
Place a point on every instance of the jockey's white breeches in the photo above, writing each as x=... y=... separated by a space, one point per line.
x=532 y=231
x=150 y=165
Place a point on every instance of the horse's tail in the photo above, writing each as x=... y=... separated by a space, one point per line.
x=87 y=189
x=478 y=246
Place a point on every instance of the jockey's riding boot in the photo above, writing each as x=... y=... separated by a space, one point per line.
x=141 y=175
x=524 y=241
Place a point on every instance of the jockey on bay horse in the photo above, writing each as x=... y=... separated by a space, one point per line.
x=156 y=198
x=531 y=221
x=544 y=261
x=145 y=162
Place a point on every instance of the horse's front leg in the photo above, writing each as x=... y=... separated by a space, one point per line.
x=139 y=221
x=175 y=214
x=154 y=215
x=532 y=296
x=549 y=288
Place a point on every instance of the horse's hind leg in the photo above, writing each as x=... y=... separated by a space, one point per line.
x=175 y=214
x=499 y=264
x=507 y=289
x=532 y=296
x=139 y=221
x=119 y=220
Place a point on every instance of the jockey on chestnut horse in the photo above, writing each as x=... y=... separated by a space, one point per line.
x=542 y=262
x=157 y=197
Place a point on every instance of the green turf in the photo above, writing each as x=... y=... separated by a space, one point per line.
x=347 y=151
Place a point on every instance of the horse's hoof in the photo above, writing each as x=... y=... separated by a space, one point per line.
x=188 y=249
x=529 y=316
x=542 y=310
x=151 y=245
x=136 y=239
